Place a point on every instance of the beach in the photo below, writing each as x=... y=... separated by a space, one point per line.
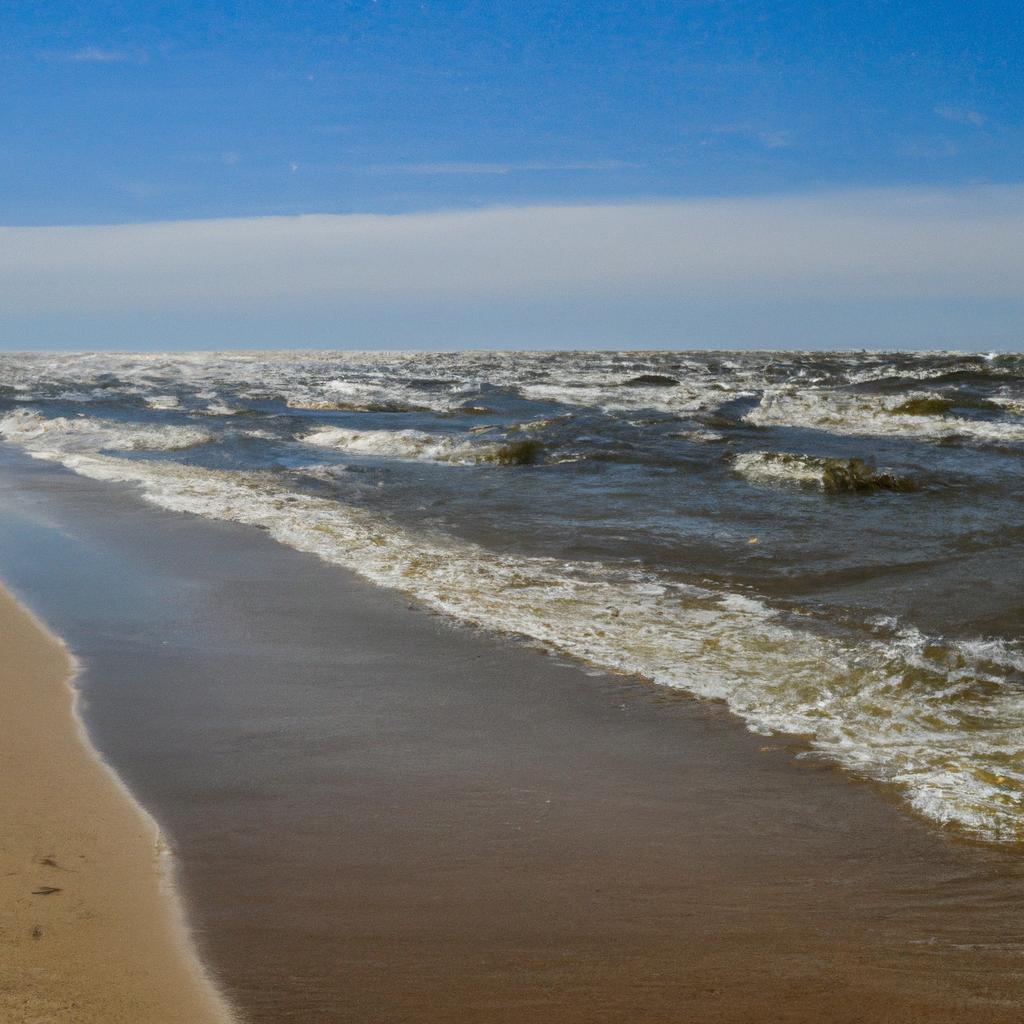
x=380 y=815
x=91 y=932
x=512 y=513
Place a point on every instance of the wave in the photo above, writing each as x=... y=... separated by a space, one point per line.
x=56 y=435
x=683 y=400
x=916 y=414
x=417 y=445
x=377 y=396
x=676 y=384
x=940 y=722
x=832 y=475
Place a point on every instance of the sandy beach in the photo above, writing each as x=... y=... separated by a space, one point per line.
x=512 y=513
x=380 y=817
x=90 y=932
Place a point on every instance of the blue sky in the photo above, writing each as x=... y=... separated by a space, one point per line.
x=128 y=113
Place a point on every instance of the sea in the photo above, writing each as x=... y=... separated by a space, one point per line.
x=831 y=544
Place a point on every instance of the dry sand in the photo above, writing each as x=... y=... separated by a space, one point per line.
x=90 y=930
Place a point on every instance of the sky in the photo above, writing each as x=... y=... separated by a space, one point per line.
x=378 y=174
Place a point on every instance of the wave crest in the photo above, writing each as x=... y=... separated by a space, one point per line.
x=60 y=434
x=830 y=475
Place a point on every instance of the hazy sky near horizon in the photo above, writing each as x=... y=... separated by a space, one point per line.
x=729 y=173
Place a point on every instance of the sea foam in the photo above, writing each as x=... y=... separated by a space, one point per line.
x=940 y=722
x=840 y=412
x=401 y=444
x=60 y=434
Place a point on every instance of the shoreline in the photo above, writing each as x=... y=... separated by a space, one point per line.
x=449 y=827
x=94 y=930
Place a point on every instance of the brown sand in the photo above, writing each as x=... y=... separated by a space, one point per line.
x=90 y=930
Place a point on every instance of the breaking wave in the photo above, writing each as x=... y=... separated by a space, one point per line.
x=643 y=452
x=415 y=445
x=832 y=475
x=85 y=433
x=941 y=722
x=917 y=414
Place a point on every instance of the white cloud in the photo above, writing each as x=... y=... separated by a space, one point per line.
x=961 y=115
x=775 y=140
x=770 y=138
x=492 y=271
x=457 y=167
x=97 y=55
x=143 y=189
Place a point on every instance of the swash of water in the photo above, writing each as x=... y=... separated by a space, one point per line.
x=830 y=543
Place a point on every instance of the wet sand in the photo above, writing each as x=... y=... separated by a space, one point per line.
x=89 y=933
x=382 y=817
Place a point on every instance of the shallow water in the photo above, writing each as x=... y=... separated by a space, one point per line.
x=381 y=816
x=690 y=518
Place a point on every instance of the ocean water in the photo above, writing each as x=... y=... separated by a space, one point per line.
x=831 y=544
